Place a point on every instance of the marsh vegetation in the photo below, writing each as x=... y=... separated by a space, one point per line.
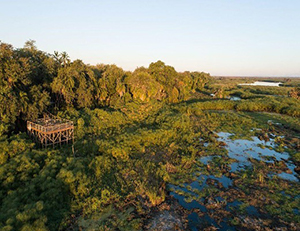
x=152 y=141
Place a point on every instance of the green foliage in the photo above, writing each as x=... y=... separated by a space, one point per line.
x=288 y=106
x=144 y=87
x=295 y=93
x=30 y=193
x=109 y=84
x=75 y=84
x=135 y=133
x=29 y=77
x=22 y=94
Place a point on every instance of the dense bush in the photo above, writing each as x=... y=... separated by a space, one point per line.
x=135 y=132
x=32 y=80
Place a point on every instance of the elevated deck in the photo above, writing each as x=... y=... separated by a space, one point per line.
x=51 y=130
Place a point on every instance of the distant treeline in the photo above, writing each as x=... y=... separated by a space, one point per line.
x=286 y=106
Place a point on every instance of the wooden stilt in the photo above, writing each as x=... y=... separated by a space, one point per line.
x=51 y=131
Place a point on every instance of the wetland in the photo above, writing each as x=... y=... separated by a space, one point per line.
x=154 y=149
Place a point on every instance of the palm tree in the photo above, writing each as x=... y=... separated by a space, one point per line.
x=65 y=58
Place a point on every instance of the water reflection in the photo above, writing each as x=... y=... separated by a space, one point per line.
x=235 y=98
x=242 y=150
x=189 y=195
x=261 y=83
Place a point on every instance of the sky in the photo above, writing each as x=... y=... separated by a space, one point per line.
x=221 y=37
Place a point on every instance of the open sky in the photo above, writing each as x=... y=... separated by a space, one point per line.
x=222 y=37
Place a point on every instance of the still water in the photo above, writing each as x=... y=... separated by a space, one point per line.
x=261 y=83
x=240 y=150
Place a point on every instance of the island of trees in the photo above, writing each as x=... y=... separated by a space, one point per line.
x=138 y=136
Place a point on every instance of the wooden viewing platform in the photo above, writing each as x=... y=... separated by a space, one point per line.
x=51 y=130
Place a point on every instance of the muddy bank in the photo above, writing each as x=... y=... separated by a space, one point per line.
x=169 y=215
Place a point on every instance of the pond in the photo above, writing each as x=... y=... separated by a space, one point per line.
x=261 y=83
x=243 y=150
x=199 y=194
x=235 y=98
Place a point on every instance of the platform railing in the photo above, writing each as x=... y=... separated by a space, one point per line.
x=49 y=128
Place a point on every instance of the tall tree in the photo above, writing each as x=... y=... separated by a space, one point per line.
x=74 y=84
x=14 y=81
x=109 y=83
x=143 y=86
